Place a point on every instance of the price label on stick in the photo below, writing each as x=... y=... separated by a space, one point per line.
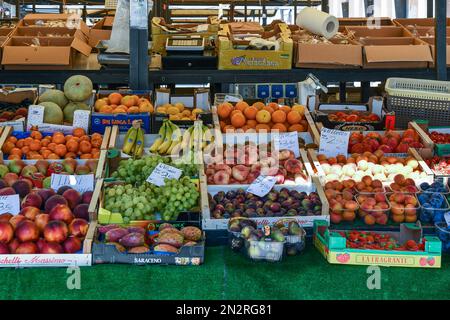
x=333 y=142
x=81 y=183
x=262 y=185
x=10 y=204
x=288 y=141
x=163 y=171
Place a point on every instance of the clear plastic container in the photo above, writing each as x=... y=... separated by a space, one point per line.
x=430 y=214
x=443 y=233
x=265 y=250
x=378 y=216
x=409 y=214
x=347 y=215
x=446 y=193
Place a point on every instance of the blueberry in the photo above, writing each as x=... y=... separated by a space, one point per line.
x=424 y=185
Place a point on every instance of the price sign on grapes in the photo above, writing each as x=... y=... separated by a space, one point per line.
x=81 y=183
x=333 y=142
x=10 y=204
x=163 y=171
x=262 y=185
x=287 y=141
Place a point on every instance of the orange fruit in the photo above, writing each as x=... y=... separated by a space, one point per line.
x=71 y=155
x=273 y=105
x=86 y=156
x=78 y=132
x=268 y=109
x=106 y=109
x=259 y=105
x=14 y=157
x=114 y=98
x=12 y=139
x=279 y=126
x=286 y=109
x=45 y=142
x=251 y=123
x=27 y=141
x=61 y=150
x=238 y=120
x=299 y=108
x=133 y=110
x=263 y=116
x=262 y=127
x=95 y=155
x=296 y=127
x=228 y=129
x=279 y=116
x=8 y=146
x=293 y=117
x=46 y=153
x=58 y=138
x=224 y=110
x=36 y=157
x=36 y=135
x=241 y=105
x=35 y=145
x=250 y=112
x=68 y=137
x=120 y=109
x=72 y=146
x=84 y=138
x=16 y=151
x=85 y=147
x=25 y=149
x=20 y=143
x=51 y=146
x=96 y=135
x=235 y=112
x=53 y=156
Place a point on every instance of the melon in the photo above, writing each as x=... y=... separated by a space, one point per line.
x=78 y=88
x=52 y=113
x=71 y=108
x=55 y=96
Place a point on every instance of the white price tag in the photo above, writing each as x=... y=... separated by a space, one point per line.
x=10 y=204
x=138 y=14
x=163 y=171
x=333 y=142
x=287 y=140
x=229 y=98
x=447 y=218
x=262 y=185
x=81 y=183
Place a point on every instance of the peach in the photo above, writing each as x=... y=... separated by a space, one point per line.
x=10 y=178
x=27 y=248
x=397 y=209
x=369 y=220
x=73 y=198
x=78 y=228
x=51 y=248
x=382 y=219
x=56 y=231
x=399 y=197
x=30 y=212
x=351 y=205
x=6 y=232
x=16 y=220
x=240 y=172
x=22 y=187
x=26 y=231
x=335 y=218
x=61 y=212
x=41 y=221
x=367 y=180
x=221 y=177
x=380 y=197
x=53 y=201
x=348 y=215
x=72 y=245
x=398 y=218
x=32 y=200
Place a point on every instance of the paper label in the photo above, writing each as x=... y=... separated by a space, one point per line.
x=262 y=185
x=229 y=98
x=10 y=204
x=81 y=183
x=163 y=171
x=138 y=14
x=287 y=140
x=333 y=142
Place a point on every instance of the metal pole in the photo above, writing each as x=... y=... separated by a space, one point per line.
x=441 y=39
x=325 y=6
x=401 y=9
x=138 y=45
x=369 y=8
x=430 y=8
x=342 y=92
x=345 y=9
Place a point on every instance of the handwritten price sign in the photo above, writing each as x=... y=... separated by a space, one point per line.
x=81 y=183
x=10 y=204
x=163 y=171
x=333 y=142
x=288 y=141
x=262 y=185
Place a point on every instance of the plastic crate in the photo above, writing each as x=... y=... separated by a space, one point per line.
x=412 y=99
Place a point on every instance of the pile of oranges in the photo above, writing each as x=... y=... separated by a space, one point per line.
x=56 y=146
x=116 y=103
x=260 y=117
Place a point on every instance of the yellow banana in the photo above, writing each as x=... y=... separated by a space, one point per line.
x=176 y=138
x=160 y=140
x=162 y=149
x=130 y=139
x=139 y=149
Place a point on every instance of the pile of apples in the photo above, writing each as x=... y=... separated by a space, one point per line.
x=389 y=142
x=48 y=223
x=375 y=165
x=242 y=164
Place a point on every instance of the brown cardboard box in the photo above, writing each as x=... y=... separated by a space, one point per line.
x=30 y=20
x=391 y=47
x=422 y=22
x=101 y=31
x=46 y=32
x=346 y=22
x=430 y=41
x=327 y=56
x=52 y=53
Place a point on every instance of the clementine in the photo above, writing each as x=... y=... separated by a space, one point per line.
x=238 y=120
x=263 y=116
x=293 y=117
x=250 y=112
x=278 y=116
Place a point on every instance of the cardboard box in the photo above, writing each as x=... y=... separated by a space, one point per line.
x=347 y=22
x=101 y=31
x=162 y=31
x=51 y=54
x=431 y=42
x=332 y=245
x=418 y=22
x=238 y=59
x=81 y=259
x=11 y=100
x=321 y=112
x=192 y=98
x=391 y=47
x=38 y=20
x=100 y=121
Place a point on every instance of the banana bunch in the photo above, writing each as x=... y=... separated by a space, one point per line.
x=134 y=142
x=169 y=138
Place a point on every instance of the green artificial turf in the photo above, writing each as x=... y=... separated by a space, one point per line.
x=228 y=275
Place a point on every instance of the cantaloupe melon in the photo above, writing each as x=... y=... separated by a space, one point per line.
x=55 y=96
x=78 y=88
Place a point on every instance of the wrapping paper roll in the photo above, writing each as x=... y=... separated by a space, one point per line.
x=318 y=22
